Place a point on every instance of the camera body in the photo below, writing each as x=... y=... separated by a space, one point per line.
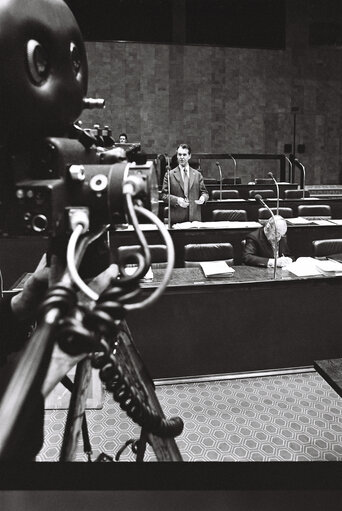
x=62 y=173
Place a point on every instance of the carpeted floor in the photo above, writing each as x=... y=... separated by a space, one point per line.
x=295 y=417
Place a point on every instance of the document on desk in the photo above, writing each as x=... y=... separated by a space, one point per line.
x=321 y=221
x=309 y=266
x=298 y=221
x=336 y=221
x=216 y=269
x=329 y=266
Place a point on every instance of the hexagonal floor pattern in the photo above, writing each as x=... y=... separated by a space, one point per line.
x=294 y=417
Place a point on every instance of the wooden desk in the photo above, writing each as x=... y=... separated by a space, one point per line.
x=299 y=238
x=22 y=254
x=248 y=322
x=252 y=207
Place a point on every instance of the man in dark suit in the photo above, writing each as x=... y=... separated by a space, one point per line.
x=187 y=189
x=260 y=244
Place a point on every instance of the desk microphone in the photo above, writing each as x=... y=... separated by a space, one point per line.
x=277 y=188
x=301 y=166
x=220 y=172
x=234 y=160
x=258 y=198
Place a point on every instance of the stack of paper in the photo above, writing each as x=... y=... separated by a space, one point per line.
x=329 y=267
x=300 y=220
x=308 y=266
x=304 y=267
x=216 y=269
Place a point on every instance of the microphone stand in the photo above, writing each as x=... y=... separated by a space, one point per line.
x=220 y=172
x=168 y=191
x=234 y=160
x=301 y=166
x=277 y=187
x=275 y=248
x=291 y=170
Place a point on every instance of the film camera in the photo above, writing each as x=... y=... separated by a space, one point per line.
x=55 y=181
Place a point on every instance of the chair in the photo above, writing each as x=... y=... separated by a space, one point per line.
x=264 y=214
x=295 y=194
x=231 y=181
x=263 y=181
x=265 y=194
x=324 y=248
x=158 y=254
x=196 y=253
x=226 y=194
x=315 y=211
x=233 y=215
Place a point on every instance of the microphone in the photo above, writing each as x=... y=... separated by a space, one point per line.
x=234 y=160
x=258 y=198
x=167 y=157
x=277 y=188
x=220 y=172
x=291 y=171
x=299 y=164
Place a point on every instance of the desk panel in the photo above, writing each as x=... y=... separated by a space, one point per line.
x=251 y=206
x=243 y=189
x=239 y=324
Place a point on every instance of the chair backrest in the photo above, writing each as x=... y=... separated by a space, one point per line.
x=265 y=194
x=226 y=194
x=237 y=215
x=323 y=248
x=158 y=253
x=264 y=214
x=210 y=180
x=263 y=181
x=314 y=211
x=231 y=181
x=295 y=194
x=196 y=253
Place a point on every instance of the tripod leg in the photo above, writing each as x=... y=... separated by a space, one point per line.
x=68 y=384
x=76 y=410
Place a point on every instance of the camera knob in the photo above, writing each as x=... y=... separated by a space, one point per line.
x=77 y=172
x=98 y=183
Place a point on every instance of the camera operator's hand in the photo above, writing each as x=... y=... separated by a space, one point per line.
x=61 y=362
x=25 y=304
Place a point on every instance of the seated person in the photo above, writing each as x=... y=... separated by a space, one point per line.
x=259 y=247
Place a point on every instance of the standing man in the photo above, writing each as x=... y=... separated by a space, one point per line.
x=187 y=189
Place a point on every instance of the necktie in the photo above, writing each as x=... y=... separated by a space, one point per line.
x=186 y=183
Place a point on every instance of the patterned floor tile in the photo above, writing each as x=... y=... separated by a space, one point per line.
x=282 y=418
